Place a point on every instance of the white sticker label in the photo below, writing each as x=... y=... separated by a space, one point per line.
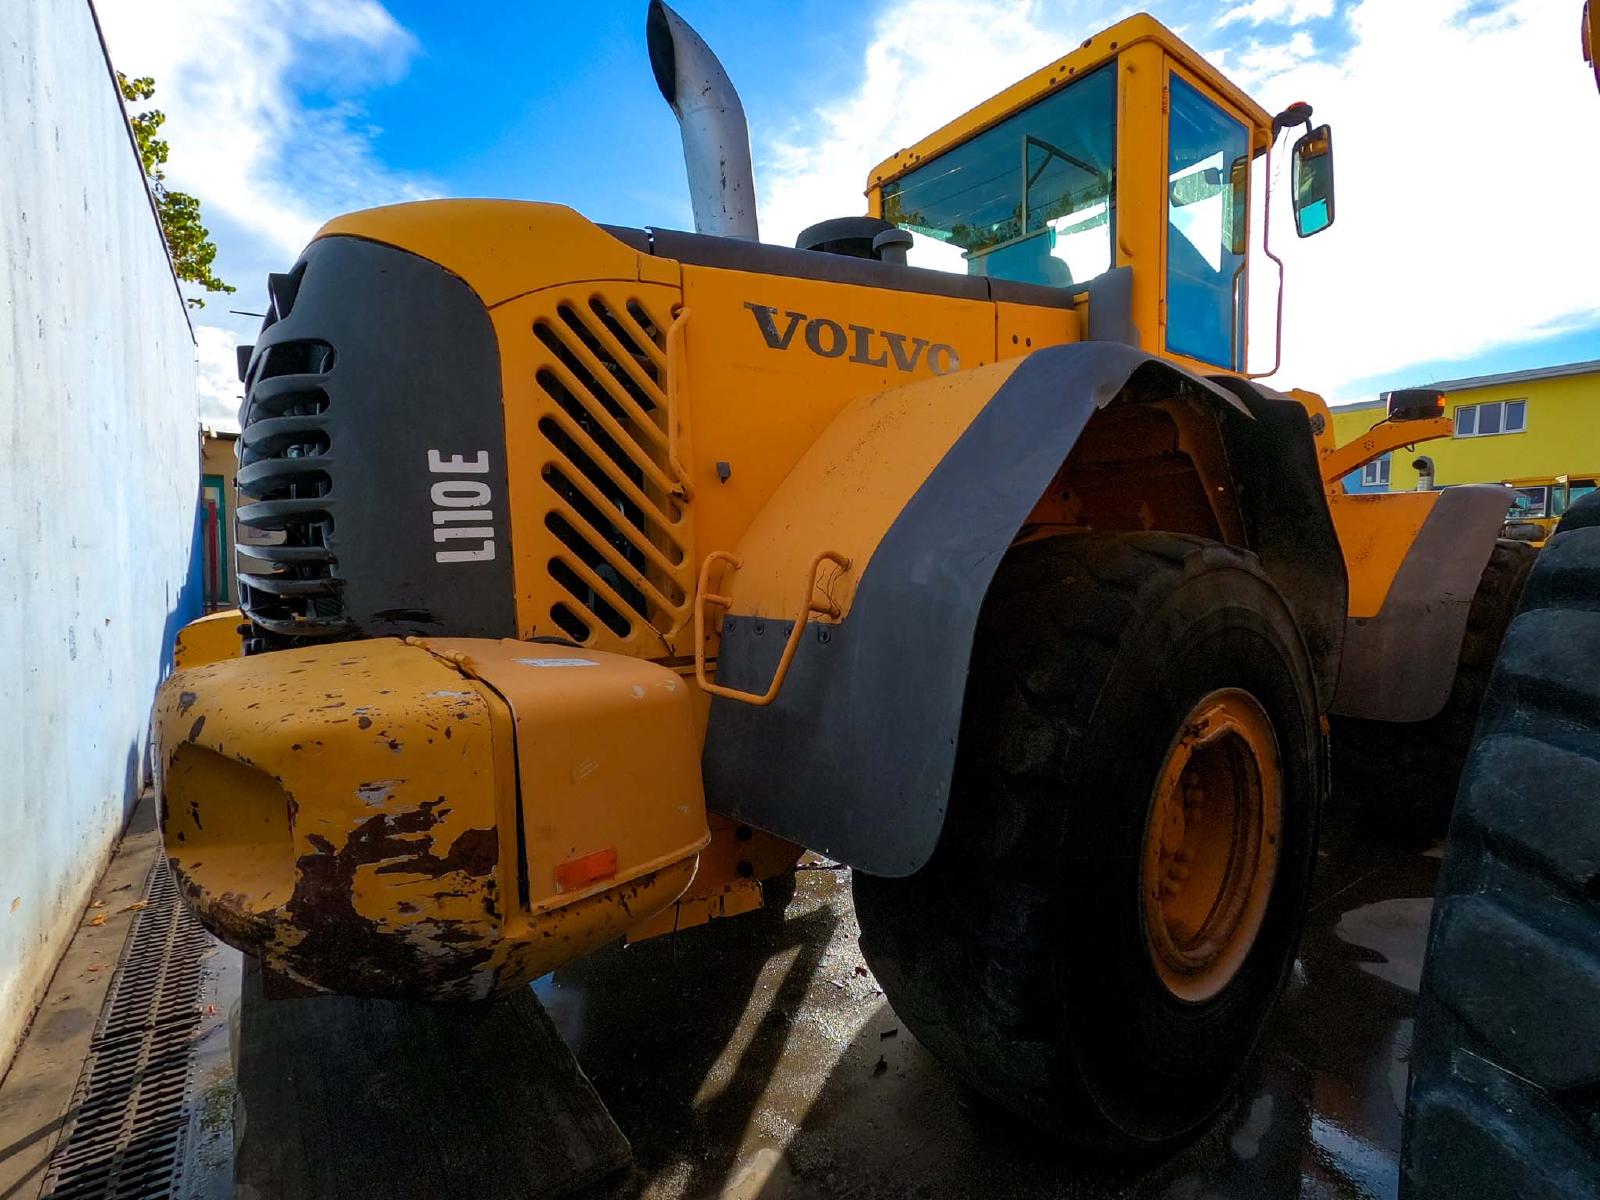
x=557 y=662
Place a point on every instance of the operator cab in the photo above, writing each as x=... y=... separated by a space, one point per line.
x=1130 y=151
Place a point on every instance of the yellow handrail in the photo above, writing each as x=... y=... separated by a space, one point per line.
x=675 y=335
x=808 y=605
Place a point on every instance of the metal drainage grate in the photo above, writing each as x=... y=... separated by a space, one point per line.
x=129 y=1119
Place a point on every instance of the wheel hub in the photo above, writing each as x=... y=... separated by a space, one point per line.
x=1212 y=842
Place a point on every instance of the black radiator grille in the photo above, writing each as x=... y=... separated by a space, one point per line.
x=288 y=583
x=376 y=376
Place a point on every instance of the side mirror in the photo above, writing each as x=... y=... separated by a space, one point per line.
x=1312 y=181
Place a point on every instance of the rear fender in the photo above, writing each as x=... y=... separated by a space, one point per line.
x=1399 y=662
x=921 y=489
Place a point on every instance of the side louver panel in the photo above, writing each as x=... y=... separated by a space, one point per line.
x=620 y=554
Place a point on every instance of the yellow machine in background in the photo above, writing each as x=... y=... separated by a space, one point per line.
x=1539 y=502
x=600 y=570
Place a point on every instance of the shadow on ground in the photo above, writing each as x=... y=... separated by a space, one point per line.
x=757 y=1059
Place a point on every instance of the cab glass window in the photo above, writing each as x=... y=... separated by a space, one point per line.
x=1529 y=502
x=1208 y=172
x=1568 y=496
x=1030 y=199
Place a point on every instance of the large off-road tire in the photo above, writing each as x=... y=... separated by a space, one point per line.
x=1121 y=686
x=1402 y=777
x=1505 y=1073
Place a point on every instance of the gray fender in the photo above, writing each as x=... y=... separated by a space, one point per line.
x=1283 y=504
x=1401 y=664
x=854 y=758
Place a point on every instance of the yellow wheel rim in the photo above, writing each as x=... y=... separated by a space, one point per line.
x=1211 y=844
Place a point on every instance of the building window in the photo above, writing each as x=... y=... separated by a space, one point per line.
x=1498 y=416
x=1376 y=473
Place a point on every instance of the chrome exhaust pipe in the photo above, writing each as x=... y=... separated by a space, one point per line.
x=716 y=137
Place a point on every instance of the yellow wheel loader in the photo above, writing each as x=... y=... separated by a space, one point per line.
x=1538 y=502
x=594 y=572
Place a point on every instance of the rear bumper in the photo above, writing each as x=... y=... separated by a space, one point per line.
x=372 y=818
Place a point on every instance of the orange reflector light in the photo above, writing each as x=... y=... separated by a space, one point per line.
x=591 y=868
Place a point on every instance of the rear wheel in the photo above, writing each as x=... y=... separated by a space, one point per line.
x=1402 y=777
x=1119 y=888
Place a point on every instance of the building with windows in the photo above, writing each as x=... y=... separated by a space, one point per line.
x=218 y=464
x=1536 y=430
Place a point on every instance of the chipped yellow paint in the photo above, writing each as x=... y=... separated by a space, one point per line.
x=348 y=812
x=209 y=639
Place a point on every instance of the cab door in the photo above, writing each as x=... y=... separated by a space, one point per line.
x=1205 y=243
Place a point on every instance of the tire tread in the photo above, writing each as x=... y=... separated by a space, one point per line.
x=1504 y=1097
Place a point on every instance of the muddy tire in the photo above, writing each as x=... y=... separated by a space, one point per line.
x=1028 y=953
x=1505 y=1074
x=1401 y=778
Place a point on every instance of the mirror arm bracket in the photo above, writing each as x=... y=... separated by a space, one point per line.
x=1266 y=248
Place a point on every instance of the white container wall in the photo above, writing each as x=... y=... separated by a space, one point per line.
x=99 y=471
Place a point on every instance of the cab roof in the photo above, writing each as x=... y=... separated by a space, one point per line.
x=1094 y=52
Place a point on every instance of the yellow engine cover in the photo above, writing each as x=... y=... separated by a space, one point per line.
x=428 y=819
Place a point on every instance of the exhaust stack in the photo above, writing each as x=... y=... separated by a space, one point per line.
x=716 y=138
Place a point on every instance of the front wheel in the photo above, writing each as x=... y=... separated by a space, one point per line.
x=1119 y=889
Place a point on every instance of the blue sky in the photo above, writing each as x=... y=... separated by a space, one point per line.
x=558 y=103
x=1463 y=246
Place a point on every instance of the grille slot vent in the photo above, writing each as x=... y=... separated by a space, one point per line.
x=619 y=557
x=287 y=580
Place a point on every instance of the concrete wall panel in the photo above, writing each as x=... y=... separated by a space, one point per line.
x=98 y=480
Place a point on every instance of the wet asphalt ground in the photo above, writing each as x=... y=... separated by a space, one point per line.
x=756 y=1059
x=763 y=1061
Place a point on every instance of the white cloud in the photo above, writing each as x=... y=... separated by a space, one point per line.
x=218 y=376
x=268 y=168
x=226 y=73
x=1291 y=12
x=1251 y=62
x=1463 y=209
x=917 y=75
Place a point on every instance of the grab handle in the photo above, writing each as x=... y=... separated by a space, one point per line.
x=808 y=604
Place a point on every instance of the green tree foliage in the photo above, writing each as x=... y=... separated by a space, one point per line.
x=188 y=240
